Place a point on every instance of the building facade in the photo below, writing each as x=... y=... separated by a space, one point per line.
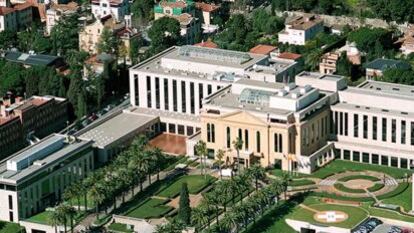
x=56 y=11
x=115 y=8
x=36 y=177
x=328 y=63
x=301 y=29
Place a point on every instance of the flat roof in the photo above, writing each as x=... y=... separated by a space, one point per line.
x=68 y=148
x=30 y=59
x=112 y=129
x=384 y=64
x=388 y=88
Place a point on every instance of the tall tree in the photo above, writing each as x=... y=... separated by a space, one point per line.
x=108 y=42
x=238 y=145
x=164 y=33
x=184 y=209
x=201 y=151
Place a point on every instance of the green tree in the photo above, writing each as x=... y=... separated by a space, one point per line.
x=143 y=10
x=257 y=173
x=343 y=66
x=238 y=145
x=184 y=209
x=8 y=39
x=220 y=156
x=54 y=220
x=108 y=42
x=201 y=151
x=164 y=33
x=65 y=34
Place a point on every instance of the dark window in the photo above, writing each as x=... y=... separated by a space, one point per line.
x=384 y=160
x=404 y=163
x=356 y=156
x=375 y=159
x=276 y=142
x=384 y=129
x=228 y=140
x=181 y=129
x=163 y=127
x=246 y=139
x=365 y=157
x=347 y=155
x=240 y=134
x=208 y=132
x=412 y=133
x=10 y=202
x=346 y=124
x=213 y=133
x=149 y=101
x=175 y=96
x=403 y=132
x=356 y=125
x=374 y=128
x=11 y=219
x=171 y=128
x=200 y=90
x=280 y=143
x=365 y=126
x=136 y=89
x=341 y=125
x=192 y=98
x=183 y=97
x=336 y=123
x=209 y=89
x=258 y=141
x=393 y=131
x=394 y=162
x=166 y=95
x=190 y=130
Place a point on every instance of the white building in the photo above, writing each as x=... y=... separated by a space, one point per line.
x=116 y=8
x=36 y=177
x=56 y=11
x=301 y=29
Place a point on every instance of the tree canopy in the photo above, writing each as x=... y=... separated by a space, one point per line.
x=164 y=33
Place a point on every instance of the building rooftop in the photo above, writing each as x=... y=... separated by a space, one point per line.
x=289 y=56
x=174 y=3
x=304 y=22
x=263 y=49
x=207 y=44
x=6 y=10
x=40 y=156
x=384 y=64
x=206 y=7
x=30 y=59
x=389 y=88
x=105 y=132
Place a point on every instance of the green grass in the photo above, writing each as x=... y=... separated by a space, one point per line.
x=302 y=182
x=377 y=212
x=8 y=227
x=404 y=199
x=196 y=183
x=359 y=177
x=339 y=166
x=376 y=187
x=41 y=217
x=173 y=161
x=280 y=173
x=396 y=192
x=151 y=208
x=343 y=188
x=119 y=227
x=355 y=215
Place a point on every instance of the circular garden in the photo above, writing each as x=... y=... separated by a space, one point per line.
x=359 y=184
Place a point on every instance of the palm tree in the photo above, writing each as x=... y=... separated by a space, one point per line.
x=230 y=221
x=313 y=58
x=201 y=150
x=71 y=212
x=238 y=145
x=62 y=214
x=225 y=192
x=97 y=194
x=257 y=173
x=70 y=193
x=199 y=218
x=212 y=201
x=159 y=158
x=54 y=220
x=220 y=156
x=139 y=163
x=285 y=183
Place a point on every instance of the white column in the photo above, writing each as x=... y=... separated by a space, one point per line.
x=379 y=129
x=389 y=133
x=170 y=95
x=197 y=99
x=351 y=125
x=162 y=94
x=360 y=126
x=205 y=91
x=132 y=92
x=142 y=84
x=188 y=97
x=153 y=98
x=179 y=97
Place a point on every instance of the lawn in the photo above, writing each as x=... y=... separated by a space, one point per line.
x=355 y=215
x=119 y=227
x=404 y=199
x=8 y=227
x=151 y=208
x=196 y=183
x=44 y=217
x=359 y=177
x=338 y=166
x=345 y=189
x=301 y=182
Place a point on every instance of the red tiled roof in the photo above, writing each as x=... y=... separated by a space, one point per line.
x=263 y=49
x=207 y=44
x=177 y=4
x=206 y=7
x=6 y=10
x=291 y=56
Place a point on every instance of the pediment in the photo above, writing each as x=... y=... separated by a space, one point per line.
x=243 y=117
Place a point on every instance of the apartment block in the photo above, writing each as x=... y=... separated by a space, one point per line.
x=300 y=29
x=115 y=8
x=36 y=177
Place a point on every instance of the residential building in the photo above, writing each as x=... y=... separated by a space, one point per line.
x=328 y=62
x=115 y=8
x=184 y=12
x=376 y=68
x=36 y=177
x=15 y=17
x=36 y=116
x=265 y=50
x=352 y=53
x=32 y=59
x=301 y=29
x=207 y=44
x=206 y=13
x=95 y=64
x=24 y=15
x=7 y=19
x=56 y=11
x=90 y=36
x=272 y=120
x=407 y=41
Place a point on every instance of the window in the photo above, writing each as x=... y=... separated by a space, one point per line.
x=240 y=134
x=166 y=95
x=341 y=125
x=181 y=130
x=384 y=129
x=175 y=96
x=208 y=132
x=375 y=159
x=258 y=142
x=347 y=155
x=183 y=97
x=403 y=132
x=213 y=133
x=209 y=89
x=149 y=101
x=356 y=125
x=200 y=90
x=384 y=160
x=404 y=163
x=332 y=123
x=346 y=124
x=365 y=157
x=365 y=126
x=393 y=131
x=336 y=123
x=374 y=128
x=412 y=133
x=11 y=216
x=157 y=93
x=276 y=142
x=394 y=162
x=356 y=156
x=280 y=143
x=228 y=142
x=246 y=139
x=326 y=125
x=190 y=130
x=10 y=202
x=192 y=99
x=136 y=89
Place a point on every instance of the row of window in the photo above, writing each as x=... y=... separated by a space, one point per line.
x=376 y=159
x=316 y=130
x=377 y=123
x=245 y=140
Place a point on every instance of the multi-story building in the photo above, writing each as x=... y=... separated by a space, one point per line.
x=90 y=36
x=328 y=63
x=116 y=8
x=36 y=177
x=15 y=17
x=56 y=11
x=375 y=69
x=301 y=29
x=206 y=13
x=7 y=19
x=271 y=119
x=184 y=12
x=38 y=116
